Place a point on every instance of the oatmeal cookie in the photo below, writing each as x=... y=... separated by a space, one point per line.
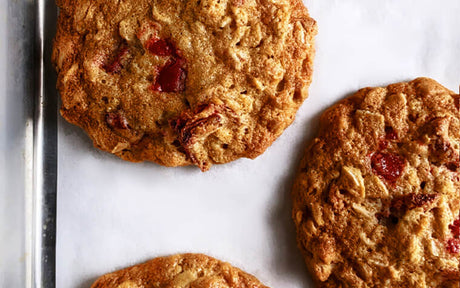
x=179 y=271
x=376 y=202
x=177 y=82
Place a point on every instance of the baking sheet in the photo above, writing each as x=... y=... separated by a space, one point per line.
x=16 y=138
x=112 y=214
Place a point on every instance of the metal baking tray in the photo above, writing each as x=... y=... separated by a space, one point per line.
x=40 y=145
x=40 y=268
x=29 y=164
x=45 y=151
x=28 y=152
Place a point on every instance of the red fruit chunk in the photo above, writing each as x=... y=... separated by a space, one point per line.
x=388 y=166
x=453 y=246
x=186 y=124
x=192 y=125
x=393 y=211
x=160 y=47
x=383 y=144
x=116 y=121
x=171 y=78
x=399 y=205
x=116 y=65
x=455 y=228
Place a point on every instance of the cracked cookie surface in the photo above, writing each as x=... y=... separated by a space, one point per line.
x=376 y=202
x=179 y=271
x=176 y=82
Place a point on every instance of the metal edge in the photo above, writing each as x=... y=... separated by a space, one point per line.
x=43 y=270
x=17 y=97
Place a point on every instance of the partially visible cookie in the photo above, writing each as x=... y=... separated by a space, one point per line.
x=179 y=271
x=177 y=82
x=376 y=202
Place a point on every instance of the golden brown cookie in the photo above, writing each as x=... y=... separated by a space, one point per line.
x=376 y=202
x=179 y=271
x=178 y=82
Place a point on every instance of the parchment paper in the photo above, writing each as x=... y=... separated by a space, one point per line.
x=112 y=214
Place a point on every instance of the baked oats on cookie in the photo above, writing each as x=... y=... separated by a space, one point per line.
x=376 y=202
x=177 y=82
x=179 y=271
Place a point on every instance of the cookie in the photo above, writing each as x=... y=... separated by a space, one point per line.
x=179 y=271
x=376 y=202
x=197 y=82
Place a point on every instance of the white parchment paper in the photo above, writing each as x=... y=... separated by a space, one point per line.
x=112 y=214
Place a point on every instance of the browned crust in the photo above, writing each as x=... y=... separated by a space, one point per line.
x=360 y=227
x=258 y=116
x=177 y=271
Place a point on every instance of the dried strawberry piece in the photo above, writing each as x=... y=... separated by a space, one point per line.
x=444 y=153
x=442 y=149
x=117 y=63
x=188 y=122
x=453 y=246
x=171 y=77
x=195 y=124
x=388 y=166
x=400 y=205
x=455 y=228
x=383 y=144
x=117 y=121
x=201 y=107
x=160 y=47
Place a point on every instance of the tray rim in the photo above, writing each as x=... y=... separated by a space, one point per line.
x=42 y=267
